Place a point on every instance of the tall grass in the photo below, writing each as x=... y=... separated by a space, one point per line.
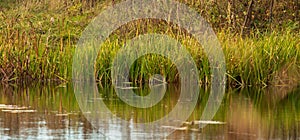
x=256 y=60
x=38 y=40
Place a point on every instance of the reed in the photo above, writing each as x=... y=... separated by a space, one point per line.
x=38 y=40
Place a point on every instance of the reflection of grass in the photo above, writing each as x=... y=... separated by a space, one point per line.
x=37 y=43
x=247 y=113
x=250 y=113
x=140 y=115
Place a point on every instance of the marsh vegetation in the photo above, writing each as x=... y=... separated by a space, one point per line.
x=38 y=39
x=260 y=40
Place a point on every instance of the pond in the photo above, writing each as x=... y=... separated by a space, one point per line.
x=52 y=112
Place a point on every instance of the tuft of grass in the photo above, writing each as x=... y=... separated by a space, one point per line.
x=256 y=60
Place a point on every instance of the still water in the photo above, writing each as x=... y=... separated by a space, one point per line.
x=52 y=112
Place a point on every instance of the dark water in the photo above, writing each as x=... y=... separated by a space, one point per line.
x=52 y=112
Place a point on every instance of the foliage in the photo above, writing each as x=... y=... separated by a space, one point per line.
x=38 y=39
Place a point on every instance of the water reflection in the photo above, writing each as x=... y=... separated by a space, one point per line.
x=249 y=114
x=48 y=101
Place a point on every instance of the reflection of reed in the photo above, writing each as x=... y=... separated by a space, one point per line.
x=14 y=120
x=244 y=121
x=247 y=116
x=263 y=118
x=8 y=91
x=49 y=102
x=286 y=117
x=285 y=81
x=140 y=115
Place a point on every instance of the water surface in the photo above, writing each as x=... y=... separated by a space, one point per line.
x=52 y=112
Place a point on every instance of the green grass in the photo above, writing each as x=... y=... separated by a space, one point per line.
x=37 y=43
